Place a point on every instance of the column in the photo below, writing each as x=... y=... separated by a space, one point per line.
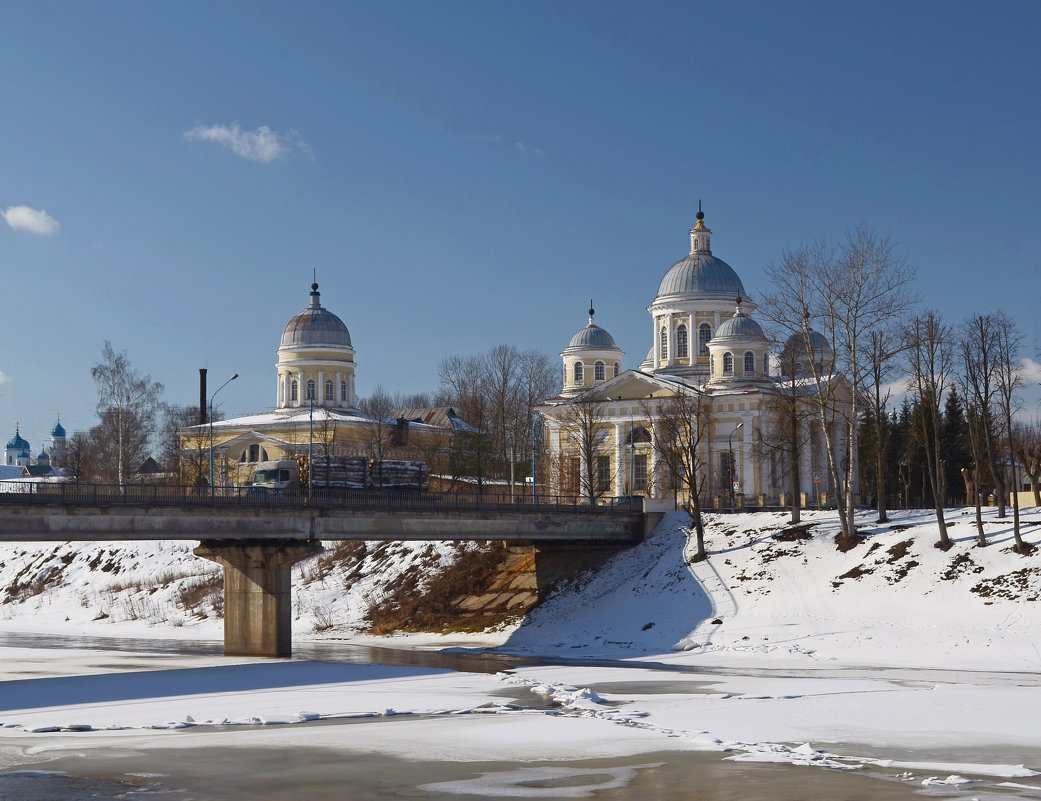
x=258 y=608
x=621 y=475
x=671 y=323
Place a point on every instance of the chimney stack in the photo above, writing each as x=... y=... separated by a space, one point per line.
x=203 y=419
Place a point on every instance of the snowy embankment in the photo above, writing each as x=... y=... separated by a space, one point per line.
x=775 y=643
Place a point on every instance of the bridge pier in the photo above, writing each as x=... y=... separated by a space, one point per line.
x=258 y=605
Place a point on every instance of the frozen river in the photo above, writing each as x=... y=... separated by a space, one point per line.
x=505 y=742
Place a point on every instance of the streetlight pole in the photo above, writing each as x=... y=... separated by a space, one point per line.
x=214 y=395
x=730 y=448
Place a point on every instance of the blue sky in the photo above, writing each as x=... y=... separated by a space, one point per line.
x=464 y=174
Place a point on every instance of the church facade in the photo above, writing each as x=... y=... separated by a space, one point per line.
x=316 y=412
x=711 y=360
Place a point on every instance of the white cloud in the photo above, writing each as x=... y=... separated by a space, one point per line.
x=4 y=377
x=24 y=218
x=1031 y=371
x=263 y=144
x=531 y=150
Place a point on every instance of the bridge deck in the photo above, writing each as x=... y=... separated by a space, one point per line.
x=58 y=512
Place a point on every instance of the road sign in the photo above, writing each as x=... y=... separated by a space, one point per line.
x=737 y=486
x=816 y=476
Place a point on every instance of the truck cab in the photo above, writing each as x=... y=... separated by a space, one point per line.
x=277 y=475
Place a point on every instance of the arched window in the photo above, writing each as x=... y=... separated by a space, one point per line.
x=766 y=364
x=343 y=391
x=637 y=435
x=711 y=365
x=728 y=363
x=695 y=243
x=704 y=335
x=663 y=344
x=310 y=389
x=254 y=453
x=579 y=377
x=749 y=363
x=616 y=369
x=329 y=393
x=598 y=372
x=681 y=342
x=294 y=392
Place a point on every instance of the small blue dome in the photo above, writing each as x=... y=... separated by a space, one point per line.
x=58 y=430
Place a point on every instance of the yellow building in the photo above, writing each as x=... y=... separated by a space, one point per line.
x=316 y=411
x=709 y=364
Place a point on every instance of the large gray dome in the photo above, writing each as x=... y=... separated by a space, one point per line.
x=315 y=327
x=818 y=341
x=700 y=273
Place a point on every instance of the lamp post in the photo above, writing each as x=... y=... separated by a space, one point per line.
x=730 y=448
x=214 y=395
x=534 y=442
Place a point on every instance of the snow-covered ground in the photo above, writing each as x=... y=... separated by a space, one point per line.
x=894 y=654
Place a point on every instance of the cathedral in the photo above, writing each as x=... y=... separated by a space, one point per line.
x=602 y=429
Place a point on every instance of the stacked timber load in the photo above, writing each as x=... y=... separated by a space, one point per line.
x=358 y=472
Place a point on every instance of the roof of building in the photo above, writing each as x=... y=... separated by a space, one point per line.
x=818 y=341
x=699 y=273
x=437 y=416
x=58 y=430
x=315 y=327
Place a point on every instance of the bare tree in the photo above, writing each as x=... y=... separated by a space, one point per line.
x=378 y=407
x=585 y=421
x=127 y=405
x=1028 y=454
x=930 y=348
x=462 y=387
x=185 y=446
x=978 y=348
x=1008 y=379
x=849 y=293
x=884 y=346
x=973 y=479
x=679 y=424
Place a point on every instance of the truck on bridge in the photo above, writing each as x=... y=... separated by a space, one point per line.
x=341 y=473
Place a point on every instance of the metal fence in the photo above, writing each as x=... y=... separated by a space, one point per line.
x=73 y=494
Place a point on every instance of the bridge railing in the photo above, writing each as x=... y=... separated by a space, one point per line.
x=75 y=494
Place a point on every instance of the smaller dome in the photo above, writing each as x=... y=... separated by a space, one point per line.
x=592 y=337
x=740 y=326
x=42 y=455
x=58 y=430
x=817 y=341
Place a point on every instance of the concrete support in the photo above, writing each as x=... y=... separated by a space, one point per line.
x=258 y=609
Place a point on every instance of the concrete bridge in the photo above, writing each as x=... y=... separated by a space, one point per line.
x=257 y=539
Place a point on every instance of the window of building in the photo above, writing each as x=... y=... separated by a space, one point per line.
x=749 y=363
x=663 y=344
x=681 y=342
x=310 y=389
x=766 y=364
x=294 y=392
x=579 y=376
x=704 y=335
x=602 y=478
x=343 y=391
x=695 y=243
x=728 y=363
x=639 y=434
x=598 y=372
x=573 y=476
x=640 y=473
x=329 y=392
x=616 y=369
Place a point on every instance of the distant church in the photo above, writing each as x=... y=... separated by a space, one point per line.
x=18 y=453
x=705 y=340
x=316 y=409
